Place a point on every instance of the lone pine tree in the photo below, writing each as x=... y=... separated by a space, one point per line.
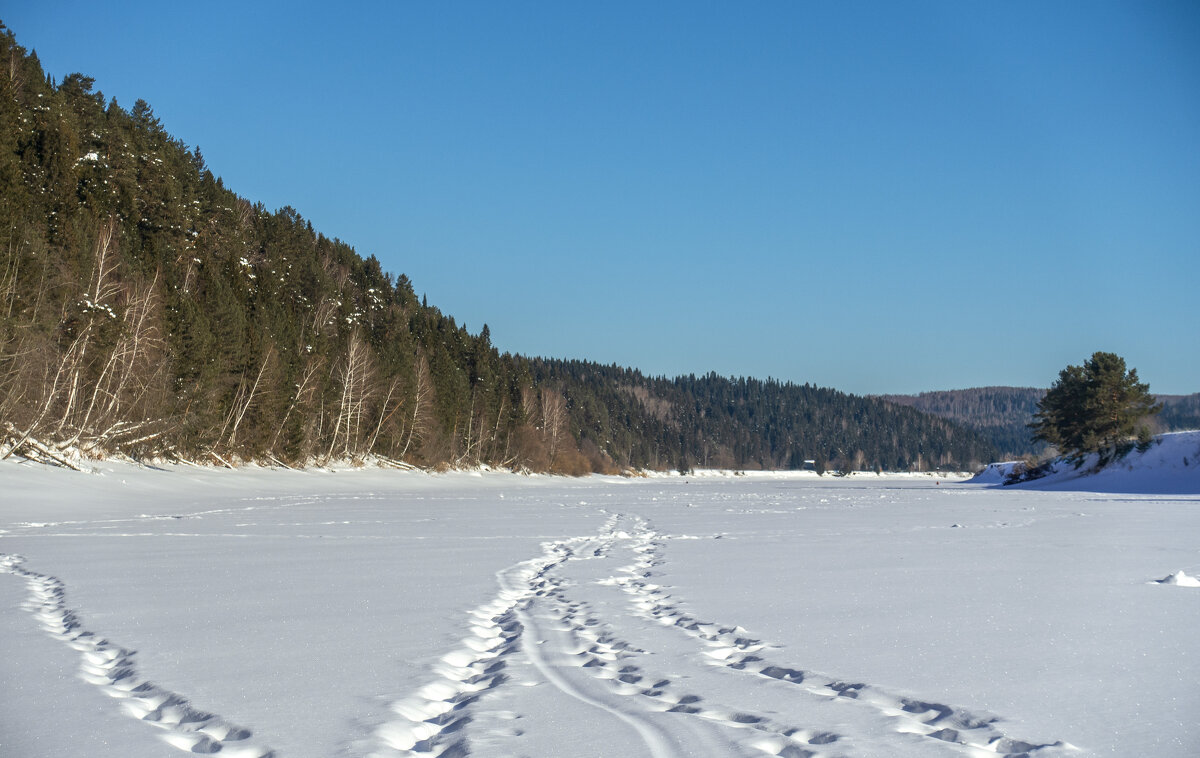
x=1094 y=407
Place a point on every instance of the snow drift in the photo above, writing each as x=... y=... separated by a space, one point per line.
x=1170 y=466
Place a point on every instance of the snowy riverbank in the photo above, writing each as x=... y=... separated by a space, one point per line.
x=1171 y=465
x=370 y=612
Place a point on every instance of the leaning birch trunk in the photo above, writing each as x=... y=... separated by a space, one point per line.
x=250 y=398
x=496 y=430
x=554 y=418
x=423 y=388
x=101 y=291
x=47 y=401
x=383 y=415
x=310 y=371
x=140 y=339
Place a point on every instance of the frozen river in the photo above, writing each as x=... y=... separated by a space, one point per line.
x=258 y=612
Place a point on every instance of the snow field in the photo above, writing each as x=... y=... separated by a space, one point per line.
x=367 y=613
x=113 y=670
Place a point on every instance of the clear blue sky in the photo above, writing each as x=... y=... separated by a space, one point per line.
x=878 y=197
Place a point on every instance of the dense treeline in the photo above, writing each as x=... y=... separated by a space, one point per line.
x=147 y=309
x=1003 y=414
x=712 y=421
x=1000 y=413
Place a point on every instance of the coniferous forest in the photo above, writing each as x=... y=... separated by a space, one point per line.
x=146 y=309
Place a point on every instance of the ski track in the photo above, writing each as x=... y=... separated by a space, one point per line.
x=575 y=650
x=112 y=669
x=579 y=653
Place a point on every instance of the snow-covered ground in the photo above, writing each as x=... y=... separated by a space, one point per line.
x=1171 y=465
x=259 y=612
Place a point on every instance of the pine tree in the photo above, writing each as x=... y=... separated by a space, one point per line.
x=1094 y=407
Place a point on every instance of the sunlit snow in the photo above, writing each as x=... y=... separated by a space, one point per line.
x=150 y=612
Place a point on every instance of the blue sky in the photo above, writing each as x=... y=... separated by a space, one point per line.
x=878 y=197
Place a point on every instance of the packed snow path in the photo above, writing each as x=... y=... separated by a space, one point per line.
x=612 y=656
x=566 y=642
x=313 y=615
x=581 y=648
x=113 y=670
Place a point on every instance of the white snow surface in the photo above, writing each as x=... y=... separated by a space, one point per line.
x=996 y=473
x=1180 y=579
x=257 y=612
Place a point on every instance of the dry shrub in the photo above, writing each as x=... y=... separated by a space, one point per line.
x=570 y=462
x=530 y=449
x=599 y=461
x=434 y=449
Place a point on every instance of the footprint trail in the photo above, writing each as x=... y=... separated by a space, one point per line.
x=113 y=670
x=682 y=685
x=583 y=623
x=732 y=647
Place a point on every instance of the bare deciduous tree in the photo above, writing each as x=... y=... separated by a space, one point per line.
x=301 y=397
x=245 y=397
x=554 y=419
x=355 y=373
x=422 y=399
x=94 y=392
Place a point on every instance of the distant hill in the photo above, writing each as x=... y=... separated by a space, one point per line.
x=1002 y=413
x=1180 y=412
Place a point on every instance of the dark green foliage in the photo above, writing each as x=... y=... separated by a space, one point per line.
x=1093 y=408
x=1144 y=439
x=145 y=308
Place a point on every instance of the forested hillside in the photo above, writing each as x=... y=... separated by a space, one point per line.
x=1000 y=413
x=147 y=309
x=1003 y=414
x=712 y=421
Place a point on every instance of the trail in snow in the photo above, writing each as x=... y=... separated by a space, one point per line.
x=721 y=697
x=431 y=721
x=732 y=647
x=112 y=669
x=659 y=745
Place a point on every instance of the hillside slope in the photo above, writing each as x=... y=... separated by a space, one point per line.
x=147 y=309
